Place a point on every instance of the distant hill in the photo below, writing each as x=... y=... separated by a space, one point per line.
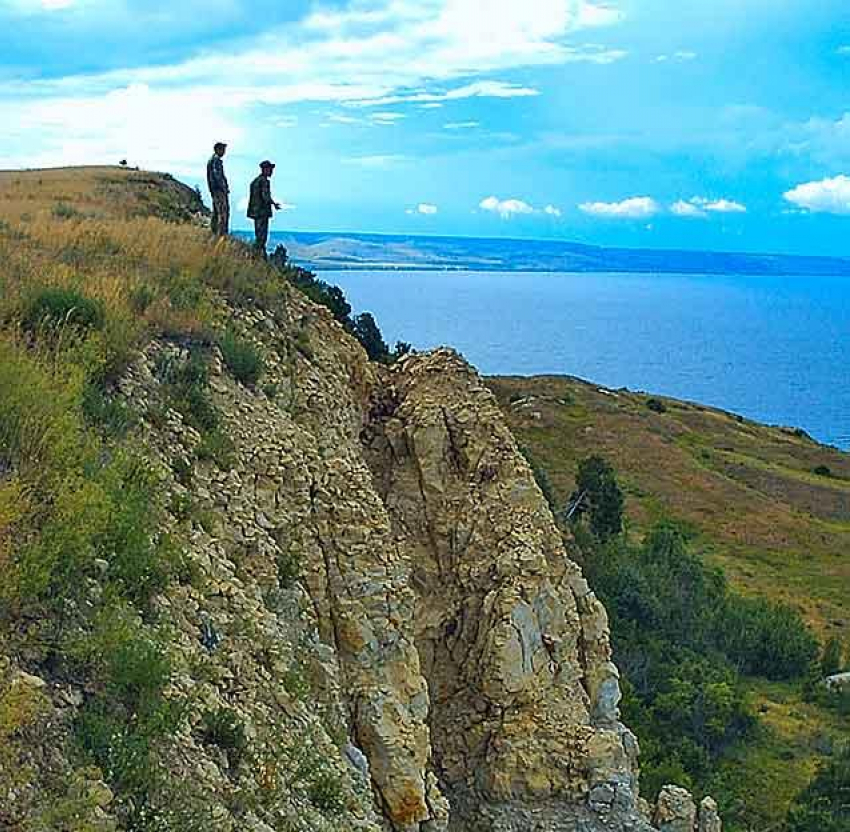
x=320 y=251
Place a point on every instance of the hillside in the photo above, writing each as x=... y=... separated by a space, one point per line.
x=767 y=505
x=250 y=580
x=395 y=251
x=752 y=493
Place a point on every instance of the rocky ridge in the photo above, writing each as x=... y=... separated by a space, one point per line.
x=385 y=604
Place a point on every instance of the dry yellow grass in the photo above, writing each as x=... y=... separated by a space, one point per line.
x=131 y=240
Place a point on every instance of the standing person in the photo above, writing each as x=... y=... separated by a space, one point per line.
x=260 y=206
x=219 y=190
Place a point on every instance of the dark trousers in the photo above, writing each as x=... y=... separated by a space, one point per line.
x=221 y=214
x=261 y=232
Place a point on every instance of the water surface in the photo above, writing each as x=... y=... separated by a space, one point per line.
x=774 y=349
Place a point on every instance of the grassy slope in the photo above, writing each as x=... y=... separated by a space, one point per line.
x=94 y=192
x=749 y=491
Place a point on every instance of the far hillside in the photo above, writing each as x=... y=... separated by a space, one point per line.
x=397 y=251
x=768 y=504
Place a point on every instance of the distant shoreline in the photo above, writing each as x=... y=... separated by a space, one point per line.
x=325 y=252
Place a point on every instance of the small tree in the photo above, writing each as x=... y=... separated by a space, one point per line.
x=367 y=333
x=599 y=496
x=832 y=660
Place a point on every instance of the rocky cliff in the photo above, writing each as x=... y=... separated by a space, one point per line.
x=378 y=626
x=459 y=656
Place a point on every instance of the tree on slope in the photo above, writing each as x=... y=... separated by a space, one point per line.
x=599 y=496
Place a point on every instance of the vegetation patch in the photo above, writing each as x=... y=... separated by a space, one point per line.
x=55 y=307
x=242 y=358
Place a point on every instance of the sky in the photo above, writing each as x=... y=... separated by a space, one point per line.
x=696 y=124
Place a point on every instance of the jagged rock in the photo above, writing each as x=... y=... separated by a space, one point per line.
x=838 y=682
x=709 y=818
x=675 y=811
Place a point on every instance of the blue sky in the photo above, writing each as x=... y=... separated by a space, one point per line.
x=721 y=124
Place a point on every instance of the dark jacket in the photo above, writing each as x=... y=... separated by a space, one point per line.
x=216 y=179
x=260 y=202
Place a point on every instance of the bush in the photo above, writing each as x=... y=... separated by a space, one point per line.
x=823 y=471
x=63 y=211
x=111 y=416
x=325 y=792
x=656 y=405
x=832 y=659
x=55 y=307
x=186 y=383
x=766 y=639
x=366 y=331
x=824 y=805
x=242 y=358
x=216 y=446
x=224 y=728
x=681 y=640
x=598 y=495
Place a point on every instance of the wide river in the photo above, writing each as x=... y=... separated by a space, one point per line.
x=773 y=349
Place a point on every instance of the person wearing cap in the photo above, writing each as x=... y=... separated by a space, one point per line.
x=219 y=190
x=260 y=205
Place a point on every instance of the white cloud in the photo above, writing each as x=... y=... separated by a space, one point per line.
x=828 y=196
x=682 y=55
x=687 y=209
x=376 y=161
x=461 y=125
x=552 y=211
x=639 y=207
x=826 y=140
x=387 y=117
x=425 y=209
x=340 y=118
x=699 y=207
x=479 y=89
x=505 y=208
x=35 y=6
x=721 y=206
x=373 y=52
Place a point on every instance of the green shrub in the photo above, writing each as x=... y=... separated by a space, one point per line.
x=141 y=297
x=185 y=381
x=57 y=307
x=366 y=331
x=832 y=659
x=766 y=639
x=224 y=728
x=63 y=211
x=325 y=792
x=289 y=564
x=823 y=471
x=242 y=358
x=216 y=446
x=111 y=416
x=656 y=405
x=599 y=496
x=682 y=640
x=824 y=806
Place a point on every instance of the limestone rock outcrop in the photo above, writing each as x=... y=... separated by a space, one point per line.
x=383 y=601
